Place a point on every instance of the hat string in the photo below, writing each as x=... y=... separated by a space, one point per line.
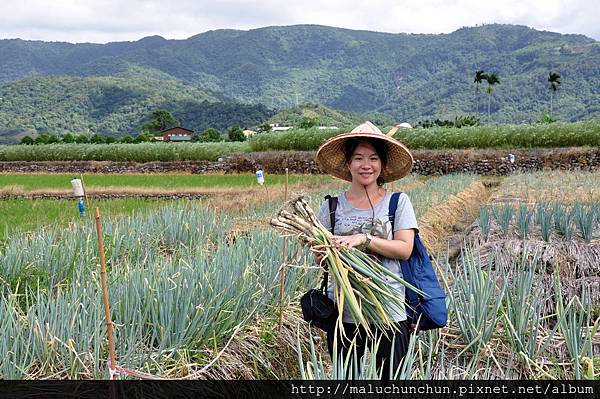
x=372 y=209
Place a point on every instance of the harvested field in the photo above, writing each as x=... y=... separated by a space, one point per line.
x=194 y=287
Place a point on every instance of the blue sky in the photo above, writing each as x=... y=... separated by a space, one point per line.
x=102 y=21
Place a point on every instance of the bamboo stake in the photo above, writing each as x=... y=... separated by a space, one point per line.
x=87 y=201
x=109 y=324
x=283 y=271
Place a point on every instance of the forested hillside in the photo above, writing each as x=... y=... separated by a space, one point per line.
x=113 y=106
x=409 y=77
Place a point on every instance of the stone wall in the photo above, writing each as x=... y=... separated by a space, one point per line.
x=427 y=162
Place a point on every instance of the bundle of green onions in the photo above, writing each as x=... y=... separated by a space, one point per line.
x=360 y=280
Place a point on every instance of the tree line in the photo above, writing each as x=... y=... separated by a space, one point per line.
x=208 y=135
x=492 y=79
x=160 y=120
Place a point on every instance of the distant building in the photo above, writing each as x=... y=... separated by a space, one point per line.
x=249 y=133
x=327 y=127
x=176 y=134
x=276 y=128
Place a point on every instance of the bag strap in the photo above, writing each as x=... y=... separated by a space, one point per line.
x=333 y=202
x=392 y=209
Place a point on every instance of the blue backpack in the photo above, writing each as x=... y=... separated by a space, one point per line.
x=418 y=271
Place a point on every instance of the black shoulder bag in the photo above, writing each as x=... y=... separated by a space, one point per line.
x=317 y=308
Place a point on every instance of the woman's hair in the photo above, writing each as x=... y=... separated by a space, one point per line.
x=380 y=148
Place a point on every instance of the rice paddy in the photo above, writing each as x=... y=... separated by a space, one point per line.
x=195 y=284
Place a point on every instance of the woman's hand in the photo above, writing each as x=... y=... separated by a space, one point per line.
x=352 y=241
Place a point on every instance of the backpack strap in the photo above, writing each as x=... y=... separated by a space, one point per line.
x=333 y=202
x=392 y=209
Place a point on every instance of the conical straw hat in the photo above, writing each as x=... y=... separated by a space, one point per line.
x=332 y=160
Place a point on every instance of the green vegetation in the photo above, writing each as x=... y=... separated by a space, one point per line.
x=165 y=181
x=306 y=116
x=548 y=206
x=236 y=134
x=585 y=133
x=492 y=79
x=459 y=121
x=32 y=214
x=184 y=281
x=51 y=288
x=160 y=119
x=143 y=152
x=110 y=106
x=406 y=77
x=210 y=135
x=554 y=82
x=293 y=139
x=42 y=138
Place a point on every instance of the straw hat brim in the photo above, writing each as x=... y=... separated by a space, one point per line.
x=331 y=158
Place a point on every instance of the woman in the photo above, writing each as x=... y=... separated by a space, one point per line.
x=367 y=158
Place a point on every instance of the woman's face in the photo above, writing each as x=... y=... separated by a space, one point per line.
x=365 y=164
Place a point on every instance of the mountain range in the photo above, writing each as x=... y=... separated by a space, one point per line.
x=110 y=88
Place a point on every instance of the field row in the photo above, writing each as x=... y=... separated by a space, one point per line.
x=500 y=136
x=577 y=134
x=32 y=181
x=226 y=191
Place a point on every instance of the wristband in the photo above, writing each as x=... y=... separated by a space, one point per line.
x=369 y=237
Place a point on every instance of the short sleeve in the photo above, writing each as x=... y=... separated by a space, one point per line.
x=405 y=214
x=323 y=215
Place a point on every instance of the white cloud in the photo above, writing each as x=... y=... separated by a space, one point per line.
x=113 y=20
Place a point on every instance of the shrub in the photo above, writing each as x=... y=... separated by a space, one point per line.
x=96 y=139
x=81 y=139
x=27 y=140
x=236 y=134
x=68 y=138
x=210 y=135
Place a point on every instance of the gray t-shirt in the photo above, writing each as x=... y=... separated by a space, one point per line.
x=350 y=220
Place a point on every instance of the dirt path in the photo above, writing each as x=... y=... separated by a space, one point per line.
x=447 y=226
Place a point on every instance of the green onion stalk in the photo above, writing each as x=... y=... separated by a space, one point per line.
x=360 y=279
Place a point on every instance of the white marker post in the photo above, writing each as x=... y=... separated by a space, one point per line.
x=79 y=192
x=260 y=179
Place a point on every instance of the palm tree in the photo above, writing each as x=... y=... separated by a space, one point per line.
x=480 y=76
x=554 y=79
x=492 y=79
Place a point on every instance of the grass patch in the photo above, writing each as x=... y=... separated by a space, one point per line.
x=20 y=215
x=168 y=181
